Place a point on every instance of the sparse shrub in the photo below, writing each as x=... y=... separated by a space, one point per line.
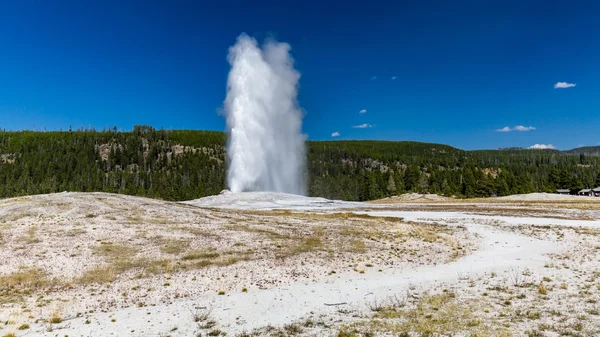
x=201 y=315
x=55 y=318
x=542 y=289
x=207 y=325
x=309 y=323
x=346 y=333
x=215 y=332
x=292 y=329
x=23 y=327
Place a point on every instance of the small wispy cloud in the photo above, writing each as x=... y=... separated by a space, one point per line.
x=373 y=78
x=363 y=111
x=523 y=128
x=542 y=147
x=394 y=77
x=516 y=128
x=362 y=126
x=335 y=134
x=564 y=85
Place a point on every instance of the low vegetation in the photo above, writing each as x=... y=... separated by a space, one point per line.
x=433 y=315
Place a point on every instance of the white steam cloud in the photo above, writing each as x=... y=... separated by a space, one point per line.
x=265 y=148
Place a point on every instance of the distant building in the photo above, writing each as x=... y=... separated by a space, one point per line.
x=596 y=191
x=563 y=191
x=586 y=192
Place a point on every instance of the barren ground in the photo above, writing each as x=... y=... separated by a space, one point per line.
x=94 y=264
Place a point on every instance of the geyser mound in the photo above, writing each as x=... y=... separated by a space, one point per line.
x=274 y=200
x=265 y=147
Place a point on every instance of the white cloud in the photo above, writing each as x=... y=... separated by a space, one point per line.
x=542 y=147
x=563 y=85
x=335 y=134
x=516 y=128
x=523 y=128
x=373 y=78
x=362 y=126
x=363 y=111
x=394 y=77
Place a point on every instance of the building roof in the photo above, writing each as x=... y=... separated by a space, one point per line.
x=565 y=190
x=597 y=189
x=585 y=190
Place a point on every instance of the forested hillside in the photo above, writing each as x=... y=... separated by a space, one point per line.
x=182 y=165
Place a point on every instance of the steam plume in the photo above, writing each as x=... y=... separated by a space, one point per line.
x=265 y=149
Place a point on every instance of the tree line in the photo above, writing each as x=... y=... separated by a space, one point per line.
x=189 y=164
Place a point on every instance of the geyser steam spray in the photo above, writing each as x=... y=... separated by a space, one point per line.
x=265 y=148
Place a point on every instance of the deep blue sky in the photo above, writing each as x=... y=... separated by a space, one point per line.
x=463 y=68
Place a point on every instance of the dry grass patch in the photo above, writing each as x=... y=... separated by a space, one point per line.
x=357 y=246
x=174 y=246
x=199 y=232
x=75 y=232
x=121 y=259
x=211 y=257
x=30 y=236
x=25 y=279
x=144 y=267
x=309 y=244
x=114 y=250
x=209 y=253
x=104 y=274
x=435 y=315
x=16 y=286
x=269 y=233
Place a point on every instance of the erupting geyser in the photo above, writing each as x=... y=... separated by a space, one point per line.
x=265 y=149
